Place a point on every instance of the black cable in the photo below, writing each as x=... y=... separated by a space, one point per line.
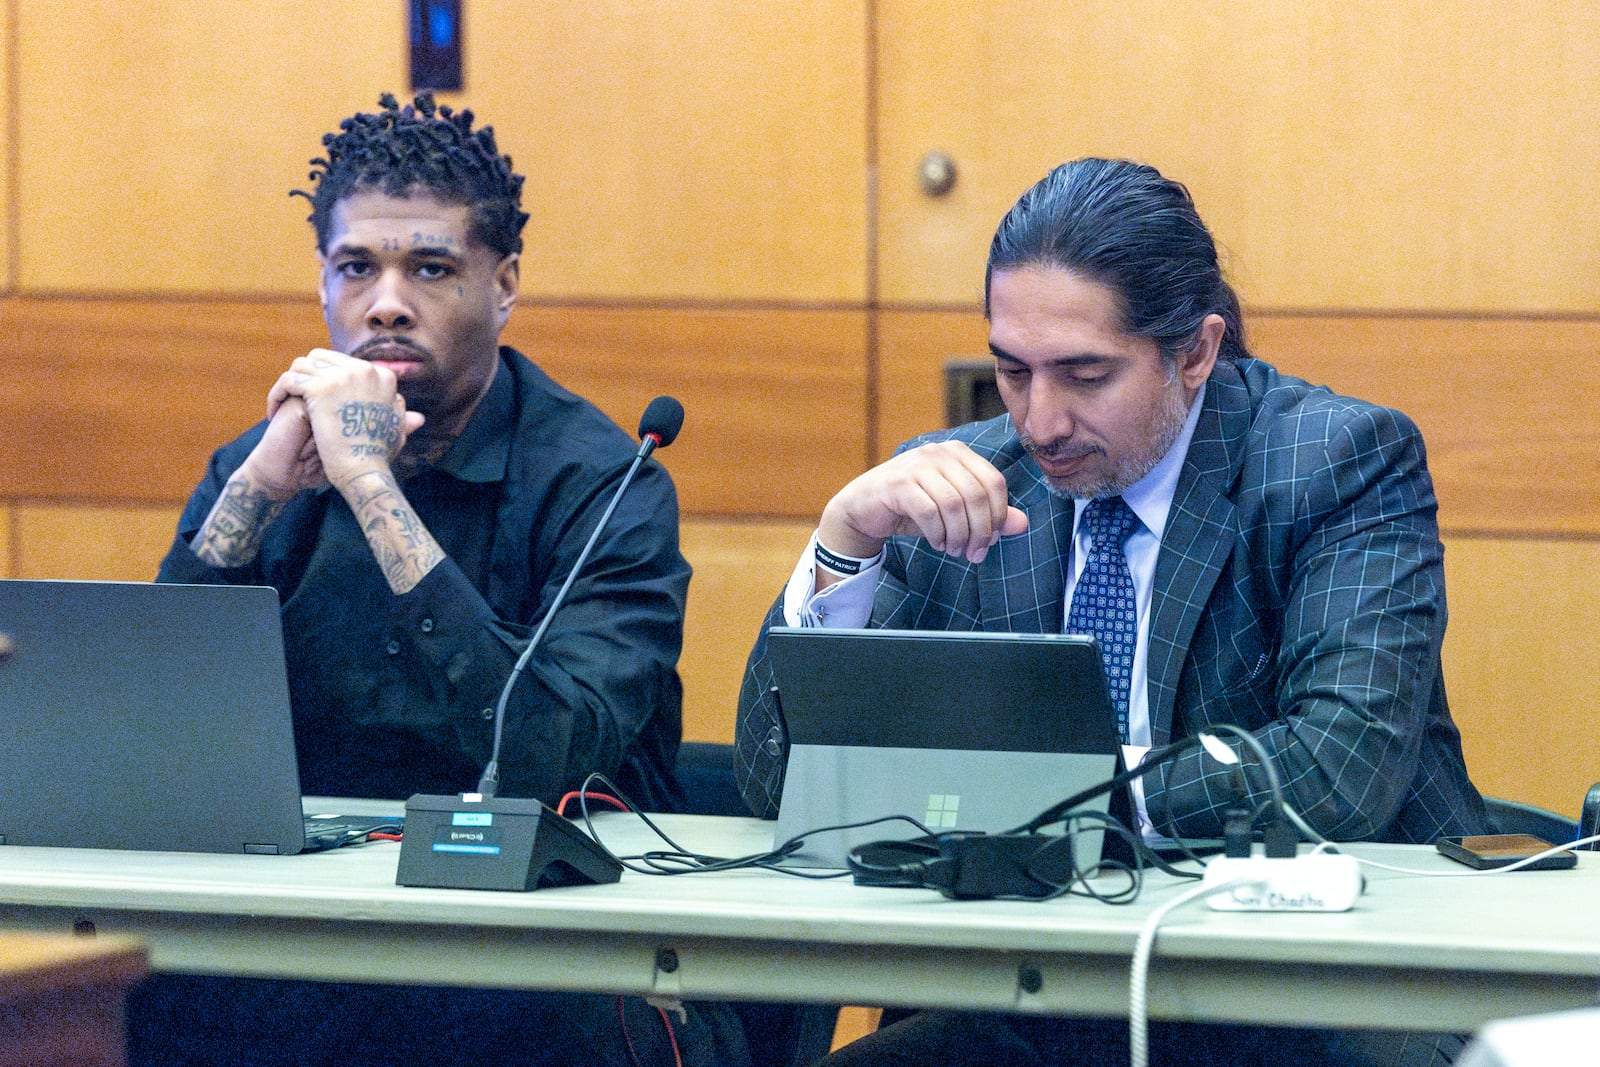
x=1012 y=864
x=936 y=860
x=1166 y=829
x=679 y=860
x=1152 y=759
x=1082 y=883
x=966 y=865
x=1279 y=834
x=1274 y=782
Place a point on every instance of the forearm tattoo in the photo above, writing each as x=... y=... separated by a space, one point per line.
x=232 y=533
x=372 y=428
x=401 y=544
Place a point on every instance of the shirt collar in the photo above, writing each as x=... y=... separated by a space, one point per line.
x=1150 y=497
x=481 y=452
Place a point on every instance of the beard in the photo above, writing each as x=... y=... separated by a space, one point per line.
x=1165 y=427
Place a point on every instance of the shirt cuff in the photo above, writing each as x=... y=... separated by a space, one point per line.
x=845 y=603
x=1131 y=755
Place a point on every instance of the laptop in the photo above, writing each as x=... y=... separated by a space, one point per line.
x=151 y=717
x=961 y=731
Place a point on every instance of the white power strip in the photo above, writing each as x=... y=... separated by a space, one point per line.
x=1320 y=881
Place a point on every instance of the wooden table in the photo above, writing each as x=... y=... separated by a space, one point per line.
x=61 y=998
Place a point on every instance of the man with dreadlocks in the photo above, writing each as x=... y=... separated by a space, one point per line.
x=416 y=495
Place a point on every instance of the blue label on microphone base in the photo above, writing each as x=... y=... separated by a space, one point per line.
x=472 y=840
x=473 y=850
x=472 y=818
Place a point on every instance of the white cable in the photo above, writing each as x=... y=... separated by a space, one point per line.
x=1472 y=873
x=1139 y=973
x=1144 y=945
x=1323 y=843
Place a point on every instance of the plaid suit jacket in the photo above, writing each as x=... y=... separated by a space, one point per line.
x=1299 y=594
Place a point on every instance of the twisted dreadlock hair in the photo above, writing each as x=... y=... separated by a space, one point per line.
x=420 y=148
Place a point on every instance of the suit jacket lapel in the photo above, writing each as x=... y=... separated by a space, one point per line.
x=1199 y=537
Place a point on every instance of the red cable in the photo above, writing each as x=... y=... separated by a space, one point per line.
x=672 y=1037
x=561 y=806
x=627 y=1038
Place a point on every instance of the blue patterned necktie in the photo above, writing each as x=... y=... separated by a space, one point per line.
x=1103 y=600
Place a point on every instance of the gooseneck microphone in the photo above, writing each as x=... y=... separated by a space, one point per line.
x=479 y=841
x=660 y=423
x=658 y=428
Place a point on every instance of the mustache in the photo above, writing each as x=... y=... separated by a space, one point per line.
x=1059 y=449
x=363 y=350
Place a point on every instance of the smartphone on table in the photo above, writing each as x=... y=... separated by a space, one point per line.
x=1487 y=851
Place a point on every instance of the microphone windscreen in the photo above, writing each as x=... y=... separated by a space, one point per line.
x=662 y=419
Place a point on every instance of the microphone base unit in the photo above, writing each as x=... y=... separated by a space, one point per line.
x=465 y=841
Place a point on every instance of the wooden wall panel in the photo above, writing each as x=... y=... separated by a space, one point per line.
x=739 y=569
x=7 y=139
x=672 y=150
x=123 y=544
x=708 y=150
x=157 y=144
x=1521 y=659
x=125 y=400
x=1529 y=465
x=775 y=400
x=6 y=520
x=1378 y=154
x=913 y=348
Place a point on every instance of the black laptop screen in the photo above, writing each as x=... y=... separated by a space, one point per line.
x=926 y=689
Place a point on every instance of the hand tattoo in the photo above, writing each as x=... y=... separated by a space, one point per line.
x=376 y=422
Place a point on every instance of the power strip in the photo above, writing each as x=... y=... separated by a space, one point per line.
x=1320 y=881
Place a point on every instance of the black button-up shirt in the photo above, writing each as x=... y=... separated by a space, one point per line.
x=394 y=695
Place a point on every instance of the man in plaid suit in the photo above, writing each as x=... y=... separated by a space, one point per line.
x=1286 y=568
